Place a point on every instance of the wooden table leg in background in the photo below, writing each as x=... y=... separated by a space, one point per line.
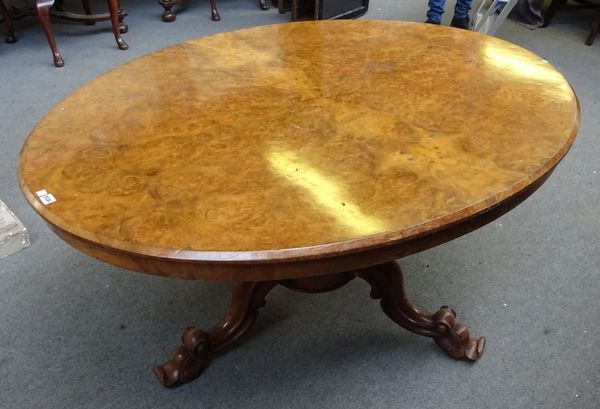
x=199 y=347
x=10 y=36
x=595 y=28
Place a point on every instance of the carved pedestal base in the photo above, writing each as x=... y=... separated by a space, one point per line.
x=198 y=347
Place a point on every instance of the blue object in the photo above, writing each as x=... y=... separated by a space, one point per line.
x=436 y=9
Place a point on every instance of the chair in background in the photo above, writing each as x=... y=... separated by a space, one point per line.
x=595 y=28
x=43 y=9
x=168 y=15
x=582 y=4
x=489 y=15
x=10 y=36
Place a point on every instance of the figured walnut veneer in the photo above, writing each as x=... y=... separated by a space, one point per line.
x=298 y=149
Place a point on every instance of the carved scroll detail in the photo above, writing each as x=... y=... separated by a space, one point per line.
x=198 y=348
x=386 y=283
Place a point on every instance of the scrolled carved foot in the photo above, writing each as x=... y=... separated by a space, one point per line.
x=214 y=15
x=387 y=284
x=456 y=340
x=187 y=362
x=199 y=348
x=263 y=4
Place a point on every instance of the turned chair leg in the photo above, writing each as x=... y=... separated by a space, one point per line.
x=113 y=8
x=595 y=28
x=87 y=8
x=42 y=8
x=214 y=14
x=554 y=6
x=10 y=37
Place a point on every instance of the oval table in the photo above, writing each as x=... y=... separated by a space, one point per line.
x=302 y=155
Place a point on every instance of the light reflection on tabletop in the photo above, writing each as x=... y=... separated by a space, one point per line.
x=327 y=192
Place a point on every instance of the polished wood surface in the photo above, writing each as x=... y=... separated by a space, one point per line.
x=299 y=149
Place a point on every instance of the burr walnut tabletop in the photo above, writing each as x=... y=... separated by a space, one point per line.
x=301 y=154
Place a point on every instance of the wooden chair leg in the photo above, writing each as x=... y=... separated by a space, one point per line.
x=214 y=14
x=113 y=8
x=43 y=15
x=122 y=26
x=595 y=29
x=263 y=4
x=10 y=37
x=87 y=8
x=554 y=6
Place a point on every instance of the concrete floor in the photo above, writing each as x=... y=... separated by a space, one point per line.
x=78 y=333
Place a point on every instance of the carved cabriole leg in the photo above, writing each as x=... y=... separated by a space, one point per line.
x=42 y=11
x=387 y=284
x=113 y=8
x=199 y=347
x=214 y=14
x=189 y=360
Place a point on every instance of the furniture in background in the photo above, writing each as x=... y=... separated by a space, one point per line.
x=372 y=154
x=328 y=9
x=44 y=9
x=581 y=4
x=595 y=28
x=301 y=9
x=10 y=36
x=168 y=15
x=490 y=14
x=283 y=5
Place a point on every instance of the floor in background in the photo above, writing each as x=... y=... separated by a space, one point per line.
x=78 y=333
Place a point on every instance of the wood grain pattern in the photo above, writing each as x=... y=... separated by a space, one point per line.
x=255 y=154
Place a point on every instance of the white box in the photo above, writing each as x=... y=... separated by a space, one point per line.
x=13 y=235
